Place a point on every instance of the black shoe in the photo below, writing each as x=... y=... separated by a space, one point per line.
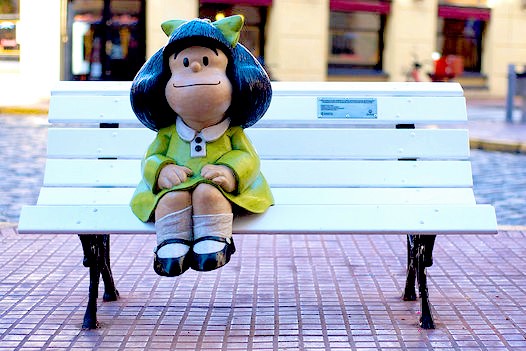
x=214 y=260
x=171 y=266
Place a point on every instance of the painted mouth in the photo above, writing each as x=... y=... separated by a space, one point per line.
x=195 y=85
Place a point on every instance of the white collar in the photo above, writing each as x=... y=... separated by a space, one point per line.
x=208 y=134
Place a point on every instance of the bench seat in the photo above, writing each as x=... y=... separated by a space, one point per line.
x=279 y=219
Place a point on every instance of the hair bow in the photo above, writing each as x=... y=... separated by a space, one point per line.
x=229 y=26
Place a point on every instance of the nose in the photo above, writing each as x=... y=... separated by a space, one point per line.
x=195 y=66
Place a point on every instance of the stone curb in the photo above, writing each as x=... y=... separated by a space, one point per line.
x=498 y=145
x=511 y=228
x=4 y=225
x=29 y=110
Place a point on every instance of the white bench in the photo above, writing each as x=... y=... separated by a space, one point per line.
x=341 y=158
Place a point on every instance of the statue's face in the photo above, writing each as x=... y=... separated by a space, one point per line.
x=199 y=90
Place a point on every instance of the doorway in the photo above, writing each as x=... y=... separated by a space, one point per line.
x=105 y=39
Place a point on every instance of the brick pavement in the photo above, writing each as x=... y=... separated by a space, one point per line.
x=499 y=179
x=278 y=293
x=23 y=142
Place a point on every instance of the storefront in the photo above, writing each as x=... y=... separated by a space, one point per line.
x=297 y=40
x=9 y=18
x=461 y=33
x=107 y=39
x=356 y=31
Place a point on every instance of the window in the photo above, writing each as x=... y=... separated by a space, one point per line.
x=9 y=16
x=461 y=33
x=107 y=39
x=462 y=38
x=253 y=32
x=356 y=41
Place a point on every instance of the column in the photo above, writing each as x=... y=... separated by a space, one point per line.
x=410 y=31
x=159 y=11
x=297 y=40
x=39 y=32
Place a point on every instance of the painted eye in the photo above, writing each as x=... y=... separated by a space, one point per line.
x=186 y=62
x=205 y=60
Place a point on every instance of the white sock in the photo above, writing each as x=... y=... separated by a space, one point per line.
x=176 y=225
x=213 y=225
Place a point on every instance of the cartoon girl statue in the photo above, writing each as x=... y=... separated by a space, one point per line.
x=198 y=93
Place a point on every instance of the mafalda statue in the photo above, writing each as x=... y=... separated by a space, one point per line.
x=198 y=93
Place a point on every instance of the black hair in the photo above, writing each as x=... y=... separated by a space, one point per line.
x=251 y=89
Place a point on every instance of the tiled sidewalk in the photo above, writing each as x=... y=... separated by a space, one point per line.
x=277 y=293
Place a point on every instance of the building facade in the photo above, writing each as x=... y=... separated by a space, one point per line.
x=471 y=41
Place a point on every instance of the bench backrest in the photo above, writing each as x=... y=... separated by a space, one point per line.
x=362 y=140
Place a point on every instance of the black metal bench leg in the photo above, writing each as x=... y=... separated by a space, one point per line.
x=419 y=257
x=424 y=258
x=110 y=292
x=85 y=240
x=96 y=257
x=91 y=260
x=409 y=291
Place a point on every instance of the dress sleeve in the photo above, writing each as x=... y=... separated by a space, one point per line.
x=242 y=159
x=155 y=159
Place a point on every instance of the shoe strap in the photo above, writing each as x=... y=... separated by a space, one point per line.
x=214 y=238
x=173 y=241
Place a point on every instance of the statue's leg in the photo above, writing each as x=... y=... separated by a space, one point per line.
x=409 y=291
x=173 y=227
x=213 y=242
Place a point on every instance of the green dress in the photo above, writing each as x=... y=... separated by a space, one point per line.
x=232 y=149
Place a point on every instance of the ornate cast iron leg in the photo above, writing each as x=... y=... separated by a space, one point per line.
x=110 y=292
x=409 y=291
x=424 y=249
x=419 y=257
x=85 y=240
x=91 y=254
x=96 y=257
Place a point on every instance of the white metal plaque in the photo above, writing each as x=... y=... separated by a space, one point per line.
x=338 y=107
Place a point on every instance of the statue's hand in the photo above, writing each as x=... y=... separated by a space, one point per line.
x=172 y=175
x=220 y=175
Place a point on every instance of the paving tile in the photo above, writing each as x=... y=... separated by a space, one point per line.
x=270 y=296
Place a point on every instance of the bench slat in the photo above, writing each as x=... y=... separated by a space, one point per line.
x=289 y=109
x=390 y=110
x=284 y=196
x=98 y=142
x=283 y=219
x=277 y=143
x=90 y=88
x=109 y=102
x=306 y=173
x=93 y=109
